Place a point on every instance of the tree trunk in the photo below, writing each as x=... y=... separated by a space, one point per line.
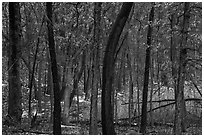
x=131 y=106
x=95 y=77
x=158 y=66
x=66 y=105
x=86 y=85
x=138 y=97
x=86 y=76
x=87 y=71
x=78 y=111
x=33 y=69
x=50 y=86
x=145 y=93
x=67 y=94
x=39 y=86
x=78 y=71
x=57 y=107
x=15 y=95
x=152 y=89
x=116 y=106
x=180 y=112
x=146 y=75
x=158 y=80
x=137 y=79
x=108 y=69
x=119 y=88
x=65 y=90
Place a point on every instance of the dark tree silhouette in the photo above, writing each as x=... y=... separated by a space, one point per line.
x=146 y=75
x=15 y=95
x=93 y=130
x=108 y=69
x=180 y=107
x=57 y=107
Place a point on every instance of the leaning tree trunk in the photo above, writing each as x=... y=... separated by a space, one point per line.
x=146 y=75
x=108 y=69
x=15 y=95
x=33 y=70
x=57 y=107
x=180 y=108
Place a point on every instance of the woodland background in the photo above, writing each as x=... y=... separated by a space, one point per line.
x=102 y=68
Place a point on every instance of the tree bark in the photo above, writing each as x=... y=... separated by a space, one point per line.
x=67 y=96
x=95 y=77
x=137 y=73
x=131 y=106
x=180 y=107
x=145 y=93
x=66 y=105
x=39 y=94
x=152 y=89
x=50 y=86
x=33 y=70
x=57 y=107
x=15 y=95
x=146 y=75
x=108 y=69
x=86 y=75
x=77 y=77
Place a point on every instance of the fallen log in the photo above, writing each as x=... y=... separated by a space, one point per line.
x=167 y=100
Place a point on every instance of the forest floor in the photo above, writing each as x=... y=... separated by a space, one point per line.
x=44 y=126
x=82 y=128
